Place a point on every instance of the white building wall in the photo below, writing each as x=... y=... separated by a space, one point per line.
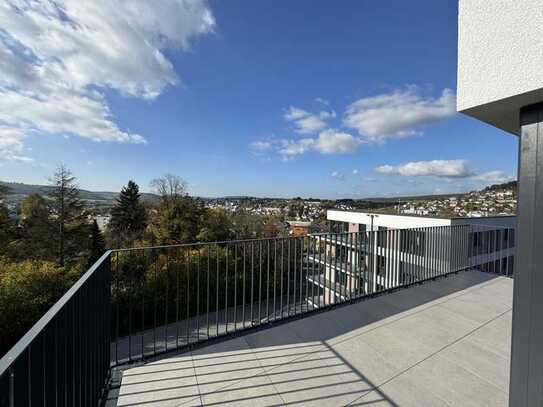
x=499 y=59
x=389 y=221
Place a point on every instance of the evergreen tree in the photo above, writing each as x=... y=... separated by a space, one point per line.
x=98 y=244
x=66 y=206
x=36 y=229
x=128 y=216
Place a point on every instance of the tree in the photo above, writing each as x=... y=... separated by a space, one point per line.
x=216 y=225
x=169 y=187
x=36 y=228
x=6 y=225
x=98 y=244
x=128 y=216
x=177 y=218
x=66 y=205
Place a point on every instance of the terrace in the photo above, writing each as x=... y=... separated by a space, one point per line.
x=241 y=322
x=444 y=343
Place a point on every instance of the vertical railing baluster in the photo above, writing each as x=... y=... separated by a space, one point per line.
x=274 y=278
x=177 y=267
x=207 y=288
x=226 y=289
x=295 y=241
x=268 y=288
x=188 y=263
x=282 y=276
x=143 y=289
x=260 y=280
x=252 y=280
x=243 y=296
x=117 y=291
x=217 y=285
x=155 y=303
x=302 y=269
x=235 y=287
x=198 y=277
x=288 y=276
x=130 y=292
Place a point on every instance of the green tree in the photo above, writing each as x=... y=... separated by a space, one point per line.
x=66 y=207
x=97 y=244
x=128 y=216
x=27 y=290
x=6 y=224
x=36 y=228
x=216 y=225
x=177 y=218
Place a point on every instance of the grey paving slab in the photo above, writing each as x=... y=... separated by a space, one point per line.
x=255 y=391
x=456 y=385
x=480 y=360
x=444 y=343
x=273 y=347
x=223 y=364
x=313 y=383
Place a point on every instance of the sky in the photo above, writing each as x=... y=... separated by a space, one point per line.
x=307 y=98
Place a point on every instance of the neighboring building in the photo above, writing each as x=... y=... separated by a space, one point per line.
x=298 y=228
x=382 y=251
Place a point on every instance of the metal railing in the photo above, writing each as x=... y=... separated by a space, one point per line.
x=64 y=359
x=137 y=303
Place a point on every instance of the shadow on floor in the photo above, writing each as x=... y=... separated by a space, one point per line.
x=318 y=360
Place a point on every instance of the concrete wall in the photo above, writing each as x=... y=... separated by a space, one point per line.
x=499 y=59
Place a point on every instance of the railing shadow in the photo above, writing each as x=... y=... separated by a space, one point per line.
x=290 y=363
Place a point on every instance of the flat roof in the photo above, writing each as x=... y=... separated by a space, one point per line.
x=411 y=215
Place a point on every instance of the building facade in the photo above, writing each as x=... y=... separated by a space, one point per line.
x=372 y=252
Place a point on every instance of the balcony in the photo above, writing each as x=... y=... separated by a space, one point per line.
x=243 y=322
x=444 y=343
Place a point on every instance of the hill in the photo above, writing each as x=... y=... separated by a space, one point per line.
x=17 y=191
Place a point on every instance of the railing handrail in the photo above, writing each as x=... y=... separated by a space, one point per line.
x=22 y=344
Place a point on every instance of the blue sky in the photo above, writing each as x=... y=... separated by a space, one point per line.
x=303 y=98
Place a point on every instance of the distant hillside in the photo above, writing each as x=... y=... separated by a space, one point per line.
x=414 y=197
x=497 y=187
x=22 y=190
x=512 y=185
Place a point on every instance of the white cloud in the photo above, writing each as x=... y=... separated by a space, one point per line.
x=11 y=145
x=261 y=145
x=493 y=177
x=447 y=170
x=434 y=168
x=355 y=171
x=336 y=142
x=308 y=123
x=57 y=57
x=399 y=114
x=290 y=148
x=328 y=142
x=322 y=101
x=337 y=175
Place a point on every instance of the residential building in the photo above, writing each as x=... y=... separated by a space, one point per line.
x=383 y=251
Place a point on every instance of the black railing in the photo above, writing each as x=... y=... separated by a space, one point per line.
x=137 y=303
x=64 y=359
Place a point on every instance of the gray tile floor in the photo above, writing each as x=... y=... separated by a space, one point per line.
x=443 y=343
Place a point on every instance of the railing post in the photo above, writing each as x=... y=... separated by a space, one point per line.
x=11 y=387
